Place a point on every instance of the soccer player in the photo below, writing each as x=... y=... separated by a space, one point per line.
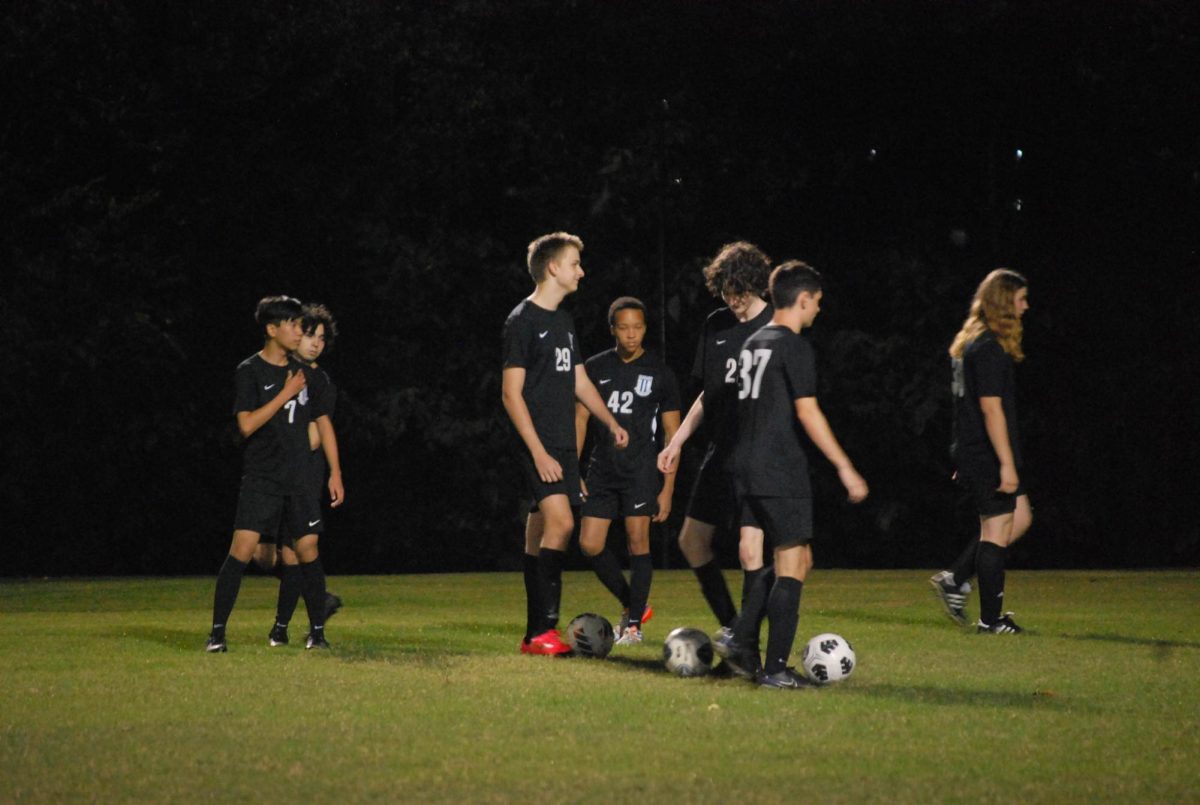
x=639 y=390
x=738 y=275
x=273 y=411
x=541 y=381
x=987 y=446
x=777 y=385
x=320 y=331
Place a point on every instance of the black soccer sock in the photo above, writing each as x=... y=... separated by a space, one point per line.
x=641 y=571
x=716 y=592
x=312 y=585
x=229 y=581
x=290 y=584
x=964 y=566
x=550 y=567
x=989 y=564
x=533 y=595
x=783 y=612
x=756 y=587
x=608 y=570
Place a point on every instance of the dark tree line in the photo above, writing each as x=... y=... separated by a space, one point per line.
x=162 y=166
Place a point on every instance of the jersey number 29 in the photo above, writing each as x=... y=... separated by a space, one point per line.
x=562 y=359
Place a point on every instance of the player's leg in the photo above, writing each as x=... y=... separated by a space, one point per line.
x=312 y=589
x=1022 y=517
x=266 y=556
x=290 y=586
x=229 y=582
x=534 y=525
x=756 y=587
x=711 y=502
x=996 y=534
x=597 y=514
x=557 y=524
x=787 y=525
x=641 y=574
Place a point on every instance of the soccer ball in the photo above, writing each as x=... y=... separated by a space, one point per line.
x=688 y=652
x=590 y=635
x=828 y=658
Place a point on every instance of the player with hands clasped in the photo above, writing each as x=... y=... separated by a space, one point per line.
x=777 y=386
x=639 y=390
x=542 y=379
x=987 y=448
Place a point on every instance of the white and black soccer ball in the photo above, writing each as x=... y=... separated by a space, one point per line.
x=688 y=652
x=828 y=658
x=590 y=635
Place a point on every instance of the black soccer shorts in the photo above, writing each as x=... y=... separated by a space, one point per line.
x=569 y=485
x=987 y=500
x=712 y=500
x=609 y=499
x=284 y=517
x=784 y=521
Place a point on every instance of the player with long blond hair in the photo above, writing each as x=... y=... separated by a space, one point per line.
x=987 y=447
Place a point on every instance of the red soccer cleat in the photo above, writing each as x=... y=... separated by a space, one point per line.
x=647 y=613
x=548 y=642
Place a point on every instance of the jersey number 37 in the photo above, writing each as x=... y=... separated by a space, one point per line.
x=750 y=372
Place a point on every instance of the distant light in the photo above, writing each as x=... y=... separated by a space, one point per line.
x=1020 y=155
x=1017 y=205
x=872 y=154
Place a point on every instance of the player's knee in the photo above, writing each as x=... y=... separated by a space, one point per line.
x=639 y=545
x=591 y=546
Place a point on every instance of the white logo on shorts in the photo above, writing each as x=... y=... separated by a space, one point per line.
x=312 y=523
x=639 y=505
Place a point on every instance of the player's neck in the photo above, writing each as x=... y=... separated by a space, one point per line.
x=789 y=318
x=752 y=310
x=548 y=296
x=273 y=353
x=630 y=357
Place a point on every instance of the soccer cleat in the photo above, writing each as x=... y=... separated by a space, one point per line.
x=787 y=679
x=216 y=645
x=953 y=596
x=316 y=641
x=721 y=640
x=332 y=604
x=632 y=636
x=278 y=636
x=647 y=614
x=1005 y=625
x=548 y=642
x=743 y=661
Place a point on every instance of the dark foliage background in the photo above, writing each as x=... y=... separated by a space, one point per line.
x=164 y=165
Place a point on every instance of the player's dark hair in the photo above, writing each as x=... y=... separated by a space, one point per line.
x=791 y=279
x=276 y=310
x=315 y=314
x=624 y=303
x=545 y=250
x=739 y=268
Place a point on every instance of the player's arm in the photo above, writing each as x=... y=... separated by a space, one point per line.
x=337 y=494
x=250 y=421
x=581 y=422
x=996 y=425
x=817 y=427
x=512 y=384
x=670 y=422
x=586 y=393
x=669 y=456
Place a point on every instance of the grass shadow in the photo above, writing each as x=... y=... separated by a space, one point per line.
x=642 y=664
x=179 y=639
x=1150 y=642
x=865 y=616
x=957 y=697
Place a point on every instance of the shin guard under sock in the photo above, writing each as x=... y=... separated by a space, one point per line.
x=989 y=565
x=290 y=583
x=550 y=567
x=312 y=585
x=533 y=596
x=608 y=570
x=964 y=566
x=229 y=581
x=783 y=614
x=716 y=592
x=641 y=571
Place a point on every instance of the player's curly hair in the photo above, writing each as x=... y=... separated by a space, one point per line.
x=276 y=310
x=315 y=314
x=543 y=250
x=739 y=268
x=624 y=303
x=992 y=308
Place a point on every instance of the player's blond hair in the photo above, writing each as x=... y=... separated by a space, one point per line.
x=993 y=308
x=545 y=250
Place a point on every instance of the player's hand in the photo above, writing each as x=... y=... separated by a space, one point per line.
x=667 y=458
x=294 y=383
x=856 y=487
x=1008 y=479
x=548 y=469
x=583 y=488
x=664 y=507
x=620 y=438
x=337 y=494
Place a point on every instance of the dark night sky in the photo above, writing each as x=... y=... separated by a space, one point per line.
x=161 y=168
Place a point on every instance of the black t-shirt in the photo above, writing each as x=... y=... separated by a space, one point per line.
x=543 y=343
x=776 y=367
x=637 y=393
x=716 y=367
x=985 y=370
x=324 y=397
x=276 y=456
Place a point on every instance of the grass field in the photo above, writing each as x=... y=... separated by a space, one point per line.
x=107 y=696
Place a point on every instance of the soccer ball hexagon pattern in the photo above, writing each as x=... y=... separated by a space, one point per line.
x=828 y=658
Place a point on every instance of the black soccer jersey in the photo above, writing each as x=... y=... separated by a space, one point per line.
x=985 y=370
x=543 y=343
x=637 y=393
x=716 y=367
x=276 y=456
x=324 y=398
x=776 y=367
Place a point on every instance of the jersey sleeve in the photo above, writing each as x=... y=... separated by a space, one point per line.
x=670 y=398
x=516 y=343
x=319 y=387
x=245 y=395
x=989 y=365
x=331 y=392
x=800 y=368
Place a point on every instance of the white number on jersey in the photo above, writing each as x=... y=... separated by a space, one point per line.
x=731 y=367
x=562 y=359
x=750 y=386
x=290 y=405
x=621 y=402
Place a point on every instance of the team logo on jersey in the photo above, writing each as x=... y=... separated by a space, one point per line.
x=643 y=385
x=304 y=396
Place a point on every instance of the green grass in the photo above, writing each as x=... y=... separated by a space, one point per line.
x=107 y=696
